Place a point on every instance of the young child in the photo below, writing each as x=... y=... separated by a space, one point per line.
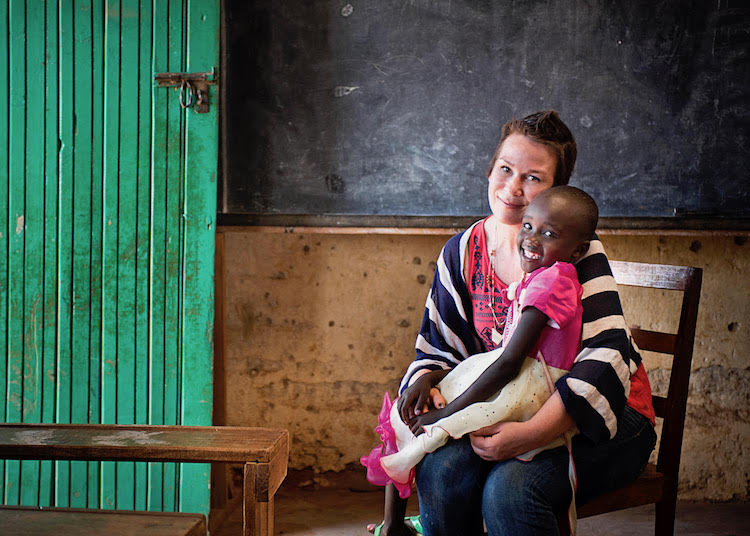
x=540 y=343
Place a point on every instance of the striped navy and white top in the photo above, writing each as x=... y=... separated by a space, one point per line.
x=596 y=389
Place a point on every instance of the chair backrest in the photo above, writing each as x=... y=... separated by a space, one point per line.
x=680 y=345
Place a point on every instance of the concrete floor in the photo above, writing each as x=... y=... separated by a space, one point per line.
x=342 y=504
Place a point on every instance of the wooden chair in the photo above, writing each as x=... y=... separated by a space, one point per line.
x=658 y=483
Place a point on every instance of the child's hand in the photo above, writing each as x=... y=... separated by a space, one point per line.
x=436 y=403
x=417 y=424
x=418 y=397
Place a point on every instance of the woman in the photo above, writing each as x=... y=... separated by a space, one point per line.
x=606 y=394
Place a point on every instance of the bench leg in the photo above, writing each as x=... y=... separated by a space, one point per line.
x=257 y=516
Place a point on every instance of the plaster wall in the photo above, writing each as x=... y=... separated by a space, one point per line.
x=319 y=326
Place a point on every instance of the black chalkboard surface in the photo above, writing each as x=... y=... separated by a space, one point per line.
x=393 y=108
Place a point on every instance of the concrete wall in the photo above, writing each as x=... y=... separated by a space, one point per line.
x=318 y=326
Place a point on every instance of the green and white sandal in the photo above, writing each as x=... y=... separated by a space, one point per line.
x=412 y=522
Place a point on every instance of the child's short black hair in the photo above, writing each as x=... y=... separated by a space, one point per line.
x=583 y=205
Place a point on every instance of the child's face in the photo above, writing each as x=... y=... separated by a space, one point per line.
x=550 y=232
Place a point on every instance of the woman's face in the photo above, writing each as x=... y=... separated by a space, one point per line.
x=523 y=169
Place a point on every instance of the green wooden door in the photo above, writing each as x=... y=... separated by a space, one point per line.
x=106 y=238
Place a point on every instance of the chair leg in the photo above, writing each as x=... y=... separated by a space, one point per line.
x=665 y=514
x=562 y=525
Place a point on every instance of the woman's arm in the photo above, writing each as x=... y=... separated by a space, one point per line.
x=497 y=375
x=446 y=336
x=595 y=391
x=506 y=440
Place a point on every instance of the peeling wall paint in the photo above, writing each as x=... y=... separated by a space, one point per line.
x=319 y=326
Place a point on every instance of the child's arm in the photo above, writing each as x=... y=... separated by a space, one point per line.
x=498 y=374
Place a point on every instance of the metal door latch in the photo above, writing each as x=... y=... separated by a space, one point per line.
x=193 y=87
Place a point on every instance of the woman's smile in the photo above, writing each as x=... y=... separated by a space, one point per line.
x=511 y=205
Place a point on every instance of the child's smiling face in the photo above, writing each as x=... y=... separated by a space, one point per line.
x=550 y=232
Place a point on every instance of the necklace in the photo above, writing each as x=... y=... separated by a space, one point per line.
x=497 y=336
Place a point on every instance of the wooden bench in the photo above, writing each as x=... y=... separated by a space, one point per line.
x=658 y=483
x=34 y=521
x=263 y=451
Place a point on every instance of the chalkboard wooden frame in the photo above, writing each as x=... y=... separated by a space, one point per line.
x=385 y=114
x=301 y=221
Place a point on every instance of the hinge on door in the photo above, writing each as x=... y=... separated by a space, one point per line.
x=193 y=87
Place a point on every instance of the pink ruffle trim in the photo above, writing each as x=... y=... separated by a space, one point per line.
x=375 y=473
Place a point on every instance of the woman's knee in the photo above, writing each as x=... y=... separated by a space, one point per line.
x=503 y=499
x=449 y=461
x=522 y=497
x=449 y=483
x=507 y=488
x=452 y=470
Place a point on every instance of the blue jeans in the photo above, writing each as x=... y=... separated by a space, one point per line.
x=457 y=489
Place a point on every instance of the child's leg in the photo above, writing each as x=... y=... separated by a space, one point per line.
x=395 y=506
x=393 y=516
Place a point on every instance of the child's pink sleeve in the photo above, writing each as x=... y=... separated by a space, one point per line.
x=555 y=292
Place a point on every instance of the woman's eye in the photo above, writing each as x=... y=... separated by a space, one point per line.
x=550 y=234
x=534 y=178
x=505 y=169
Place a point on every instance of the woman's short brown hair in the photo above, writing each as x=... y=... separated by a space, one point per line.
x=547 y=128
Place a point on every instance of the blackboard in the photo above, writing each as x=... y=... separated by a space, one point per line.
x=393 y=108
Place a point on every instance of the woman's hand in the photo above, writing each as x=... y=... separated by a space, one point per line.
x=505 y=440
x=418 y=397
x=502 y=441
x=437 y=398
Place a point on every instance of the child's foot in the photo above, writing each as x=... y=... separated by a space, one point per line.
x=409 y=527
x=399 y=529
